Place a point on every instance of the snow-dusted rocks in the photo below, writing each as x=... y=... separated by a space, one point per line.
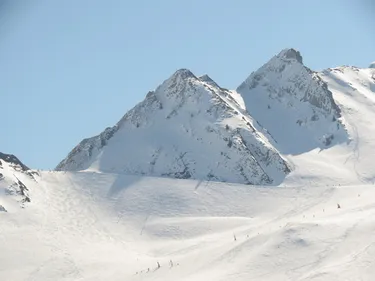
x=14 y=181
x=293 y=104
x=188 y=127
x=13 y=162
x=372 y=65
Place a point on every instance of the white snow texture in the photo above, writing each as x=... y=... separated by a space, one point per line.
x=271 y=181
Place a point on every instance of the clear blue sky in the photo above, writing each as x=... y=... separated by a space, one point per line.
x=70 y=68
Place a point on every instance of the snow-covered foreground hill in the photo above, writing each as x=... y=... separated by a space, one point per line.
x=97 y=226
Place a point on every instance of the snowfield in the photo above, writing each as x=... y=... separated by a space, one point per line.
x=92 y=226
x=161 y=195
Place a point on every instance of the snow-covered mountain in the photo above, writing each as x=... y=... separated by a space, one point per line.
x=14 y=181
x=111 y=226
x=189 y=127
x=294 y=104
x=281 y=119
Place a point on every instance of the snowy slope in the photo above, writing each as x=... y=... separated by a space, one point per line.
x=188 y=127
x=96 y=226
x=349 y=162
x=354 y=91
x=15 y=181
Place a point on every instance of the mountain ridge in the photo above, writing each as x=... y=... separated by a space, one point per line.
x=281 y=112
x=289 y=91
x=191 y=108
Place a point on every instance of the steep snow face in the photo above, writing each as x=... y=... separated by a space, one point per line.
x=14 y=181
x=188 y=127
x=350 y=162
x=293 y=104
x=354 y=91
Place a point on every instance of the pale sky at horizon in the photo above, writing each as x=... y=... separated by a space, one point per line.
x=69 y=69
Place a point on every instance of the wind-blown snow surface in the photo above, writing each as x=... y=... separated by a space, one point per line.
x=92 y=226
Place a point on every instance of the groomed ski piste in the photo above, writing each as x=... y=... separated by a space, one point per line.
x=93 y=226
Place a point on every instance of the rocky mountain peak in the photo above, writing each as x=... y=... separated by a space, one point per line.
x=14 y=161
x=290 y=82
x=284 y=89
x=291 y=54
x=181 y=76
x=175 y=85
x=372 y=65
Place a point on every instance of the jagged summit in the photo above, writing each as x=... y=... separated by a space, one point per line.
x=291 y=54
x=285 y=90
x=183 y=73
x=175 y=86
x=291 y=79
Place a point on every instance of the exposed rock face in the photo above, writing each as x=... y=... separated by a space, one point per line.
x=292 y=54
x=14 y=161
x=188 y=127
